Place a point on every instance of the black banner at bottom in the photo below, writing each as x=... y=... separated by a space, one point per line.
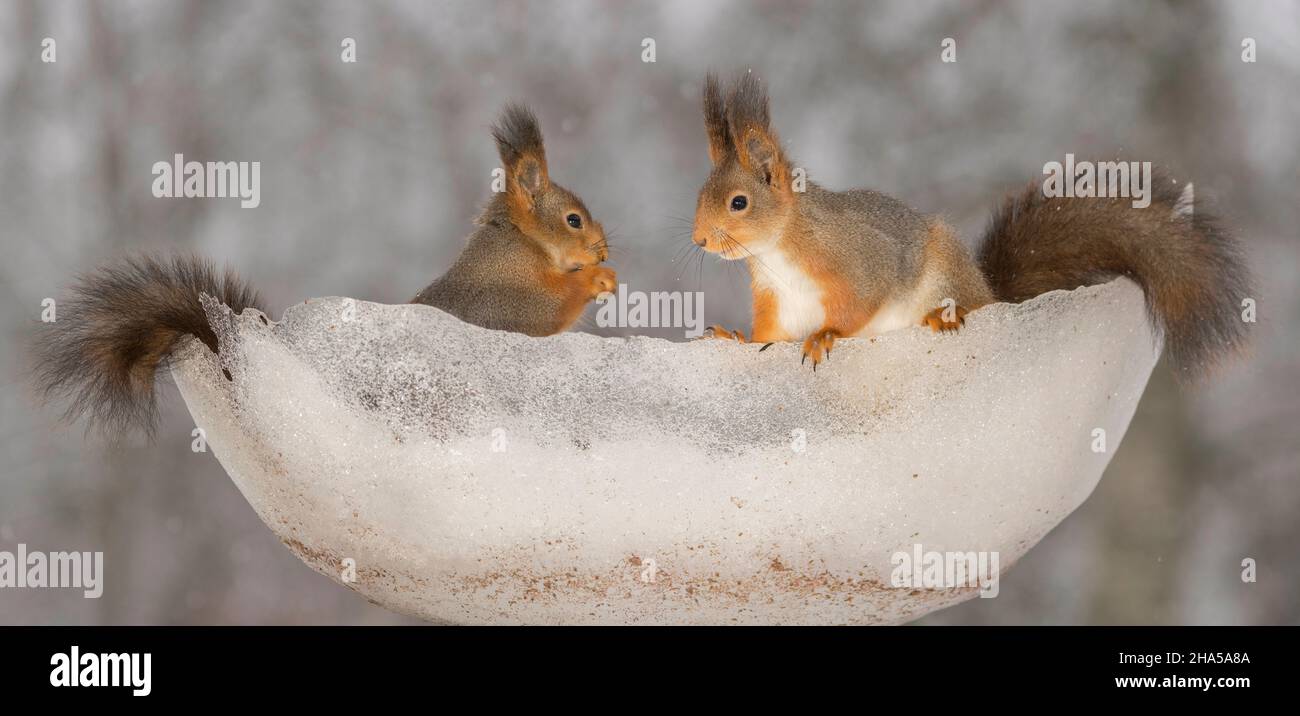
x=309 y=664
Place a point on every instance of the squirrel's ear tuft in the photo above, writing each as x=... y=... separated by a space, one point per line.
x=519 y=142
x=715 y=119
x=756 y=144
x=747 y=105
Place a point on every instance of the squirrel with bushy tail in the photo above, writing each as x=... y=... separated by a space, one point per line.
x=826 y=265
x=532 y=266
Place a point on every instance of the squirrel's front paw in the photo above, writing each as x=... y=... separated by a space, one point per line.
x=818 y=346
x=602 y=279
x=720 y=332
x=945 y=318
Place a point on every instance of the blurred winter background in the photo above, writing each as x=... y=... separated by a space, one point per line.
x=372 y=172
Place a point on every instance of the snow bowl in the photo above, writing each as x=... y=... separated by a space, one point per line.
x=465 y=475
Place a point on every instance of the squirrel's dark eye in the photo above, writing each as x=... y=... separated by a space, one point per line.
x=575 y=221
x=739 y=202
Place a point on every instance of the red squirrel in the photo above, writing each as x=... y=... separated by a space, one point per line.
x=829 y=264
x=531 y=266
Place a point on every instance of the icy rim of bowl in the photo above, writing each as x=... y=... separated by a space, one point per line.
x=465 y=475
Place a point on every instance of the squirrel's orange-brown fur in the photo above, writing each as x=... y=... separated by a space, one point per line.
x=827 y=265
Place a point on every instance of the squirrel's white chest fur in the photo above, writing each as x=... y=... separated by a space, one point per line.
x=798 y=297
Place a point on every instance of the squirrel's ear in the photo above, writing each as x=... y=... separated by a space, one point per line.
x=529 y=175
x=756 y=144
x=519 y=142
x=761 y=154
x=715 y=119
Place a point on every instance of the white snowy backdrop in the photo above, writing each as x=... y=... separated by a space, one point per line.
x=371 y=173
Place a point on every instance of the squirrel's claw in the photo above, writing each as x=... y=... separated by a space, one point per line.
x=716 y=331
x=937 y=322
x=818 y=346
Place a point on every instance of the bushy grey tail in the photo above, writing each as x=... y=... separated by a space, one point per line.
x=120 y=323
x=1190 y=268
